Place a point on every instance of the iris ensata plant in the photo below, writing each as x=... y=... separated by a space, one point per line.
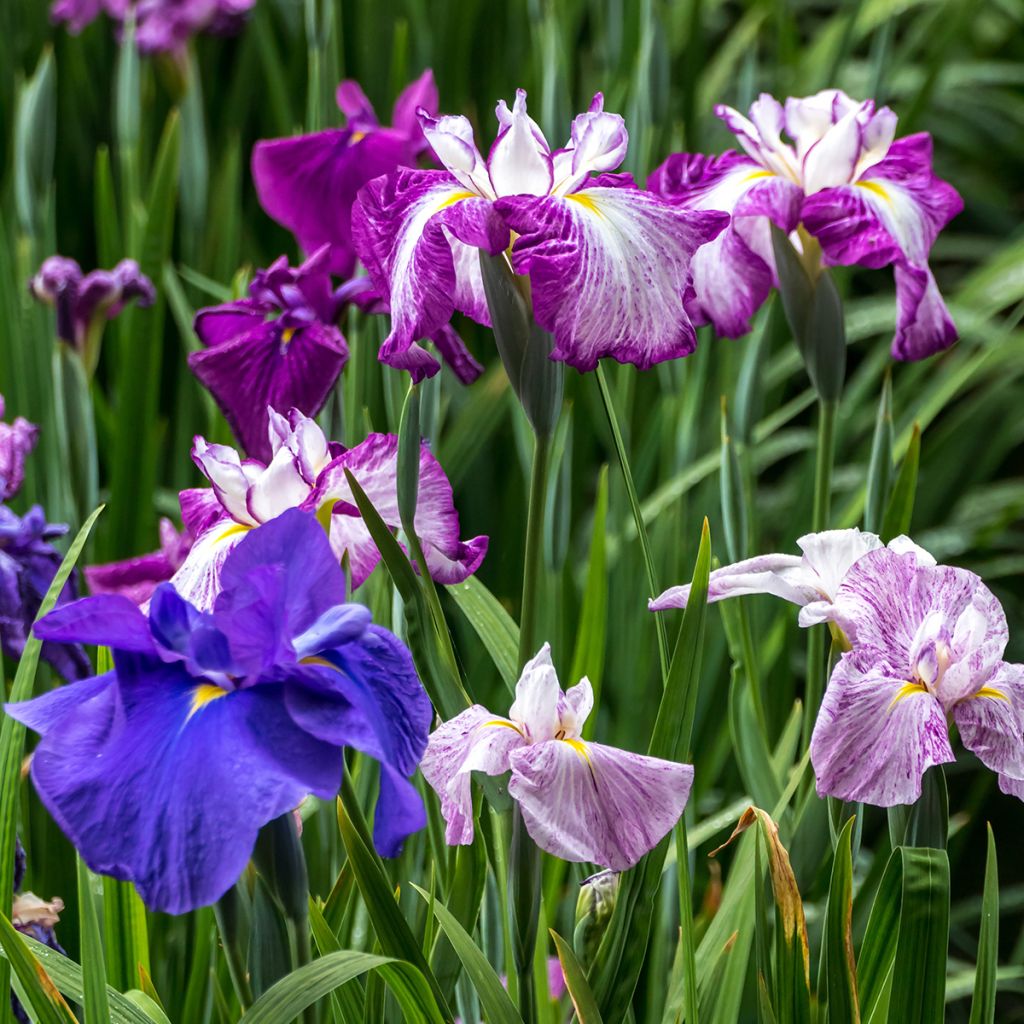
x=137 y=578
x=927 y=649
x=85 y=302
x=608 y=263
x=212 y=724
x=845 y=189
x=581 y=801
x=305 y=471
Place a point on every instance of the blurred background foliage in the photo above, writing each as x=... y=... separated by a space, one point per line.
x=954 y=68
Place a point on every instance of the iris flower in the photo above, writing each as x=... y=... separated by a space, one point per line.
x=279 y=347
x=17 y=439
x=928 y=643
x=162 y=26
x=581 y=801
x=211 y=724
x=305 y=471
x=810 y=580
x=608 y=263
x=308 y=183
x=84 y=303
x=137 y=578
x=852 y=192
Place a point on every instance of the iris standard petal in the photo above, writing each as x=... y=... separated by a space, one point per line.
x=876 y=736
x=473 y=741
x=609 y=268
x=537 y=698
x=520 y=159
x=591 y=803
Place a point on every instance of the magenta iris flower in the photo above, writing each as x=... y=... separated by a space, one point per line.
x=17 y=439
x=581 y=801
x=307 y=472
x=162 y=26
x=608 y=263
x=84 y=302
x=844 y=184
x=810 y=580
x=308 y=183
x=137 y=578
x=163 y=770
x=927 y=649
x=279 y=347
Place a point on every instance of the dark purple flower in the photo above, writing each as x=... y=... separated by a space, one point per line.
x=28 y=563
x=161 y=26
x=137 y=578
x=210 y=725
x=280 y=347
x=17 y=439
x=85 y=302
x=308 y=183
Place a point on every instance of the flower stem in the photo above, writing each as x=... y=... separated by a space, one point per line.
x=226 y=912
x=524 y=896
x=638 y=518
x=533 y=569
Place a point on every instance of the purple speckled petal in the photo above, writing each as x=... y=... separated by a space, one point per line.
x=871 y=745
x=992 y=726
x=309 y=183
x=609 y=269
x=473 y=741
x=586 y=802
x=374 y=463
x=17 y=440
x=198 y=578
x=200 y=510
x=454 y=352
x=780 y=575
x=419 y=94
x=404 y=226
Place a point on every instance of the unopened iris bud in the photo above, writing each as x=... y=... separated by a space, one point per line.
x=594 y=907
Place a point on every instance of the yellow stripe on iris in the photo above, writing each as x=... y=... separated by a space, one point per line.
x=203 y=694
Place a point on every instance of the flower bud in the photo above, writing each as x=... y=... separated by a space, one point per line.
x=594 y=907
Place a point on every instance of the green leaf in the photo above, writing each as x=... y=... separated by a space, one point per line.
x=94 y=969
x=583 y=1000
x=127 y=938
x=349 y=996
x=496 y=1003
x=36 y=989
x=900 y=510
x=466 y=891
x=880 y=463
x=409 y=461
x=287 y=999
x=837 y=938
x=494 y=626
x=983 y=1005
x=148 y=1005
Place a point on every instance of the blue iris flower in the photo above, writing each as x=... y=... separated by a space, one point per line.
x=163 y=770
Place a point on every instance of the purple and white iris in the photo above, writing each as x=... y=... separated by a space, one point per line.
x=211 y=724
x=17 y=439
x=308 y=183
x=928 y=644
x=608 y=263
x=844 y=184
x=279 y=348
x=137 y=578
x=307 y=472
x=810 y=580
x=581 y=801
x=83 y=303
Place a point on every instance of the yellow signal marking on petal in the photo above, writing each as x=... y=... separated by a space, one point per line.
x=235 y=528
x=203 y=694
x=502 y=724
x=580 y=747
x=759 y=174
x=356 y=137
x=586 y=202
x=457 y=197
x=906 y=690
x=873 y=186
x=989 y=691
x=318 y=661
x=287 y=334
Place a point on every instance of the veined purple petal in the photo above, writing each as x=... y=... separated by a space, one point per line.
x=608 y=269
x=108 y=620
x=407 y=227
x=597 y=145
x=198 y=578
x=309 y=183
x=419 y=94
x=454 y=352
x=451 y=139
x=17 y=440
x=229 y=475
x=473 y=741
x=591 y=803
x=135 y=578
x=873 y=741
x=991 y=722
x=200 y=509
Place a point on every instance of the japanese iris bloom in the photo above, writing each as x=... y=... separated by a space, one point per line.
x=928 y=648
x=810 y=580
x=308 y=183
x=608 y=263
x=305 y=471
x=581 y=801
x=137 y=578
x=211 y=724
x=17 y=439
x=84 y=302
x=279 y=347
x=844 y=184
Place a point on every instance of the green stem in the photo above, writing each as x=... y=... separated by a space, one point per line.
x=524 y=893
x=638 y=518
x=226 y=913
x=533 y=567
x=687 y=943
